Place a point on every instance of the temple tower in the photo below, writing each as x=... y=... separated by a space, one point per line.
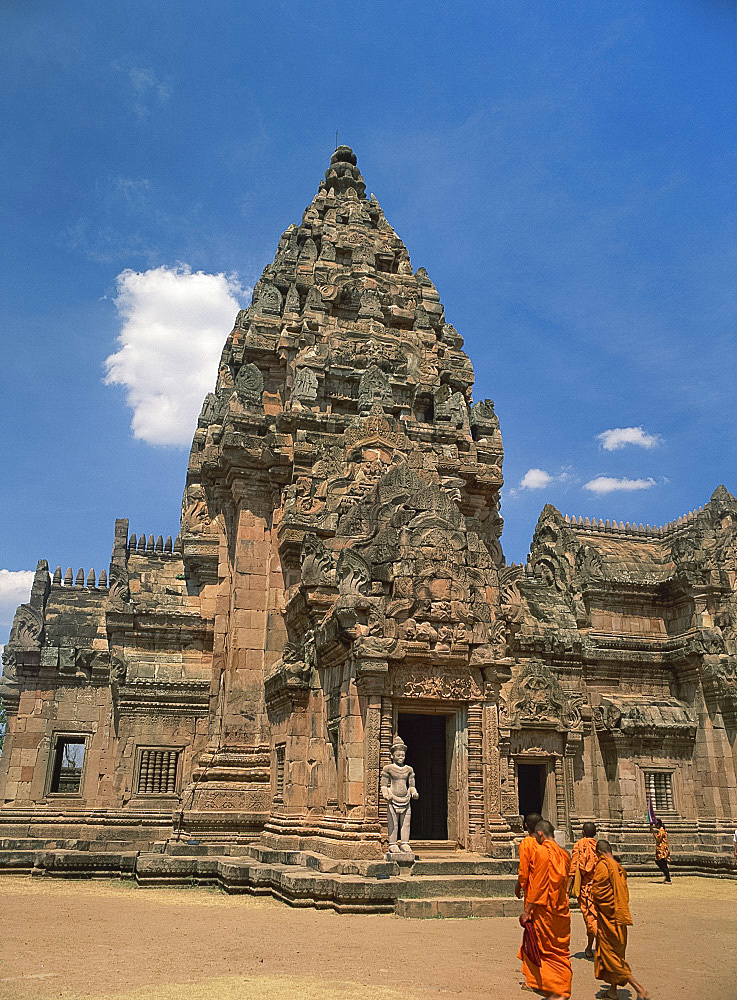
x=343 y=493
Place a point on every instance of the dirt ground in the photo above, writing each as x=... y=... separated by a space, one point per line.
x=106 y=940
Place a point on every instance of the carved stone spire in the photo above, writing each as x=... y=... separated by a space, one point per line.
x=343 y=176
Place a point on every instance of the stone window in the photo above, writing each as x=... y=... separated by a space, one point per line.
x=281 y=753
x=68 y=764
x=659 y=790
x=157 y=771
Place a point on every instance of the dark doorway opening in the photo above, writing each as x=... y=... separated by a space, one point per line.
x=425 y=736
x=530 y=788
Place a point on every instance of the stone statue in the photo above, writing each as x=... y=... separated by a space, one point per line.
x=398 y=788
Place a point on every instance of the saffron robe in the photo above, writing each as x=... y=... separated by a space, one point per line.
x=526 y=850
x=611 y=898
x=547 y=897
x=584 y=858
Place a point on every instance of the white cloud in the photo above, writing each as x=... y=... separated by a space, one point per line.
x=148 y=90
x=174 y=325
x=15 y=589
x=619 y=437
x=535 y=479
x=608 y=484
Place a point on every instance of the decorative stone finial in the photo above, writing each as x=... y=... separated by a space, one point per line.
x=343 y=176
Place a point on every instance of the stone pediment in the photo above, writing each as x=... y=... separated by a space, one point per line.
x=621 y=715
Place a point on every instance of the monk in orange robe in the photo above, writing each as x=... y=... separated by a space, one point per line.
x=611 y=897
x=546 y=905
x=526 y=850
x=583 y=861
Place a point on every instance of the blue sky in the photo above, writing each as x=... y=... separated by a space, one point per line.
x=565 y=172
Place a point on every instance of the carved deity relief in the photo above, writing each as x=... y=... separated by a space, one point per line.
x=305 y=385
x=373 y=387
x=451 y=407
x=536 y=696
x=270 y=300
x=249 y=384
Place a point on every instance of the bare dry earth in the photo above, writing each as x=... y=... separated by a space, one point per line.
x=114 y=941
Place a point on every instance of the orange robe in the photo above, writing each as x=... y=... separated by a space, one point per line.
x=527 y=849
x=611 y=899
x=584 y=858
x=547 y=891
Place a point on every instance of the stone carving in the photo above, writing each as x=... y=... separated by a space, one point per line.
x=536 y=696
x=269 y=300
x=353 y=573
x=411 y=683
x=195 y=512
x=589 y=563
x=27 y=629
x=118 y=598
x=373 y=387
x=451 y=407
x=305 y=385
x=316 y=562
x=10 y=665
x=370 y=307
x=249 y=384
x=651 y=718
x=383 y=500
x=398 y=790
x=118 y=669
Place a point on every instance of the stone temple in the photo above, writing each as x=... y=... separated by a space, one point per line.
x=220 y=707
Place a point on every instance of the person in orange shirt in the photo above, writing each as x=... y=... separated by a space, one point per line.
x=662 y=851
x=610 y=896
x=546 y=906
x=526 y=850
x=583 y=861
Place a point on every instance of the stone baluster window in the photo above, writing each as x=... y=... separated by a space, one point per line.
x=659 y=790
x=281 y=751
x=157 y=771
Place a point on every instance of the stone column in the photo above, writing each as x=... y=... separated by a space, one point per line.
x=231 y=794
x=371 y=672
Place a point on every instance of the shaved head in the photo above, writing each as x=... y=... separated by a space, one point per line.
x=603 y=847
x=545 y=828
x=531 y=821
x=589 y=829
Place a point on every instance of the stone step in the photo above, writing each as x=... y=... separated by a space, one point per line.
x=435 y=847
x=69 y=863
x=452 y=866
x=451 y=907
x=465 y=886
x=182 y=848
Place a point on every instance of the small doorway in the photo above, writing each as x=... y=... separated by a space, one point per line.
x=531 y=780
x=425 y=736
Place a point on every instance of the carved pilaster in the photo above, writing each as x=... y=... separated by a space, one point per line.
x=560 y=796
x=475 y=776
x=371 y=754
x=385 y=745
x=492 y=768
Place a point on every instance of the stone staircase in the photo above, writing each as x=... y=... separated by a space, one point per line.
x=442 y=882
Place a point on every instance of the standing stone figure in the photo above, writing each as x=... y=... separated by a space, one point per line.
x=398 y=788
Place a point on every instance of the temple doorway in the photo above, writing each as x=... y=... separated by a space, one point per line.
x=427 y=742
x=531 y=780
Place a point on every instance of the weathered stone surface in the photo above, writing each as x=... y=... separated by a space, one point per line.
x=339 y=570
